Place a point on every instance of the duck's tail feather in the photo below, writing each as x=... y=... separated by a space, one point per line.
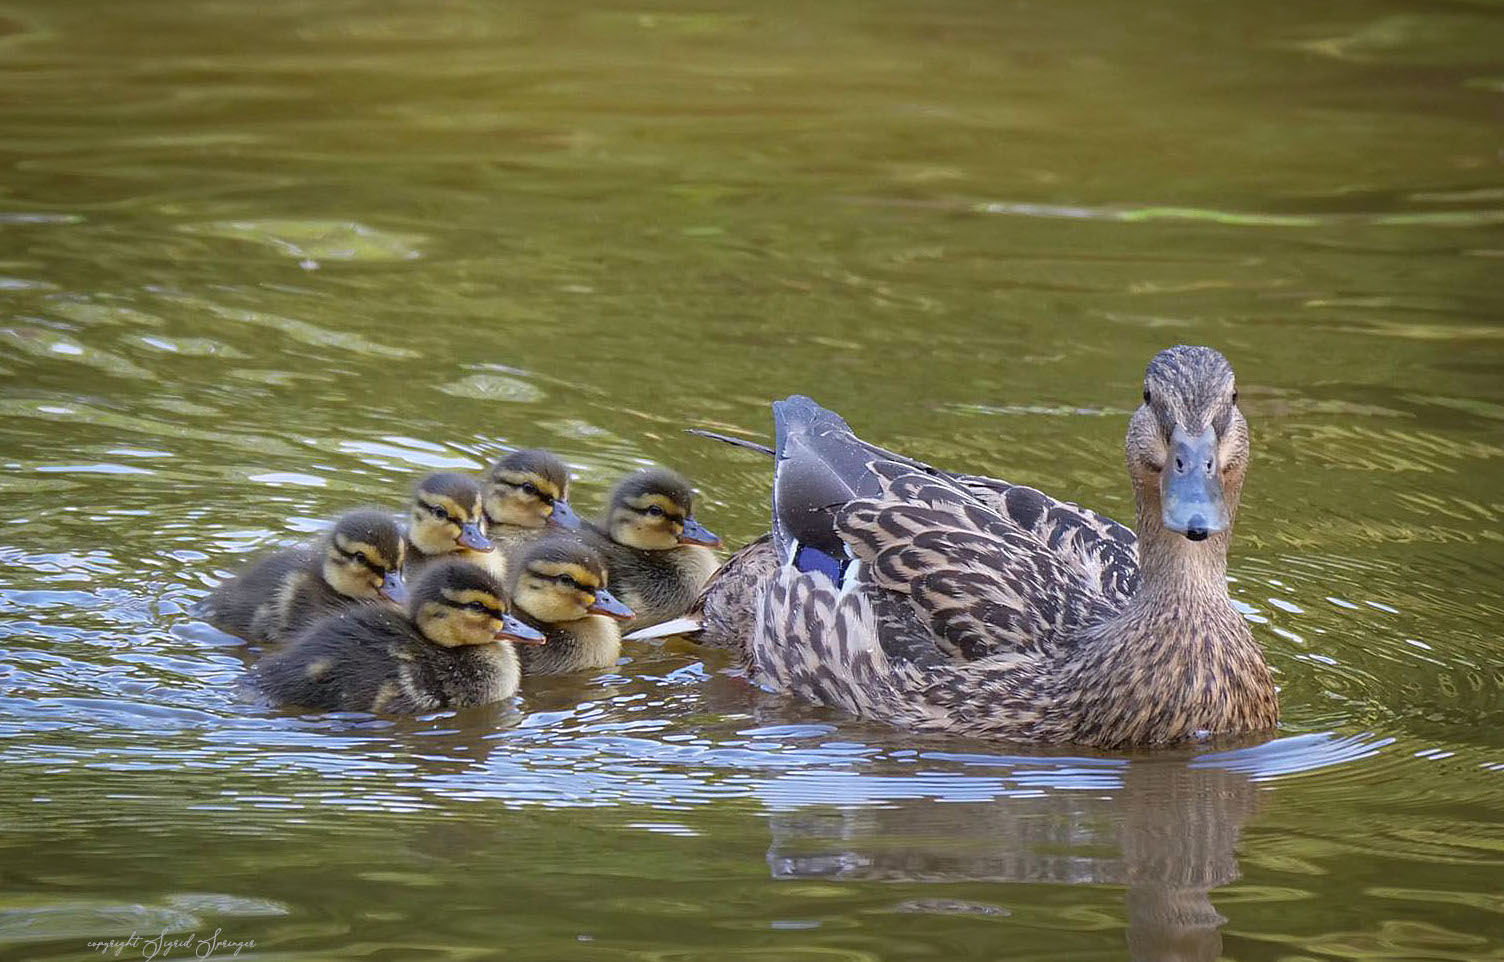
x=821 y=466
x=750 y=445
x=689 y=625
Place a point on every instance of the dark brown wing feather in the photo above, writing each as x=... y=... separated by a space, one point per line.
x=981 y=584
x=1106 y=550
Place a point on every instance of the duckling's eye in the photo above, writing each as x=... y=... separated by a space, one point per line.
x=479 y=606
x=361 y=557
x=529 y=487
x=1146 y=395
x=438 y=512
x=1235 y=397
x=655 y=511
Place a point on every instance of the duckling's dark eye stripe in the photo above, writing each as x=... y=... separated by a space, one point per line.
x=359 y=557
x=572 y=583
x=529 y=488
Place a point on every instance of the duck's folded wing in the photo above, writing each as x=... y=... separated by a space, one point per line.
x=1105 y=550
x=983 y=585
x=821 y=463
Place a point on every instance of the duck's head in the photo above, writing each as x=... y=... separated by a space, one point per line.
x=652 y=509
x=363 y=557
x=456 y=603
x=529 y=489
x=559 y=579
x=447 y=515
x=1188 y=443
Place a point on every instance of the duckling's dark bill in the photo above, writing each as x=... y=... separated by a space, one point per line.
x=1193 y=502
x=563 y=515
x=607 y=604
x=697 y=533
x=472 y=538
x=393 y=588
x=514 y=630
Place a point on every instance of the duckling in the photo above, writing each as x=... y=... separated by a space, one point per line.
x=450 y=649
x=527 y=494
x=658 y=555
x=448 y=520
x=559 y=587
x=360 y=560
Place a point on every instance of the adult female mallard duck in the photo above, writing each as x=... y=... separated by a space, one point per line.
x=359 y=560
x=658 y=555
x=559 y=587
x=526 y=496
x=450 y=649
x=954 y=603
x=447 y=522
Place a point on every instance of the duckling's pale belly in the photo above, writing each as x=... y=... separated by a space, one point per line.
x=493 y=561
x=590 y=643
x=511 y=538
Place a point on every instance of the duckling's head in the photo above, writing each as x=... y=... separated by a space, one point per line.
x=529 y=489
x=559 y=579
x=363 y=557
x=447 y=515
x=1188 y=443
x=456 y=603
x=651 y=510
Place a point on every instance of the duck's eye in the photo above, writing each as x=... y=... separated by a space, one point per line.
x=361 y=557
x=438 y=512
x=530 y=488
x=1146 y=395
x=479 y=606
x=655 y=511
x=1235 y=397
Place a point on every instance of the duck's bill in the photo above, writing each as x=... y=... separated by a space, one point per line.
x=563 y=515
x=514 y=630
x=1191 y=482
x=607 y=604
x=473 y=538
x=696 y=533
x=393 y=588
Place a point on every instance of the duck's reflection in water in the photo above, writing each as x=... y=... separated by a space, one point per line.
x=1168 y=832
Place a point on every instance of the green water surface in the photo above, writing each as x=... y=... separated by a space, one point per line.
x=263 y=260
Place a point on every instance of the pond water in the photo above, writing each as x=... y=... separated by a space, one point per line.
x=262 y=260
